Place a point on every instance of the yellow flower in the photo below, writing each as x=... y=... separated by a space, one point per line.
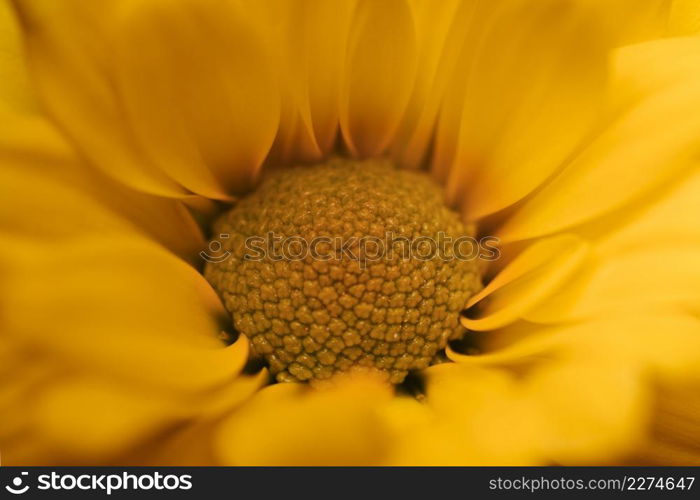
x=565 y=128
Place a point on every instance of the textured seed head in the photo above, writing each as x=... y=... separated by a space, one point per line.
x=330 y=268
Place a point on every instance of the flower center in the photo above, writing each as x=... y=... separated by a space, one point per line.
x=342 y=266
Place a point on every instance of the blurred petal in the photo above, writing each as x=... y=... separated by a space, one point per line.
x=286 y=424
x=645 y=69
x=667 y=344
x=674 y=437
x=605 y=375
x=527 y=281
x=90 y=417
x=119 y=306
x=306 y=38
x=41 y=207
x=439 y=30
x=199 y=91
x=109 y=330
x=606 y=176
x=650 y=261
x=69 y=55
x=663 y=352
x=525 y=93
x=595 y=408
x=634 y=21
x=627 y=284
x=464 y=412
x=378 y=75
x=48 y=192
x=15 y=90
x=549 y=411
x=685 y=17
x=168 y=95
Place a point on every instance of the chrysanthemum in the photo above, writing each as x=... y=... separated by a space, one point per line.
x=135 y=132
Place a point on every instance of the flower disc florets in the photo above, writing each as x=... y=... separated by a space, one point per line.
x=344 y=265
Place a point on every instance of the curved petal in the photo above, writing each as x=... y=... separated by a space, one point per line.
x=527 y=281
x=199 y=91
x=15 y=88
x=594 y=407
x=67 y=49
x=48 y=192
x=40 y=207
x=94 y=418
x=119 y=306
x=668 y=344
x=550 y=414
x=685 y=17
x=378 y=75
x=632 y=157
x=87 y=416
x=526 y=91
x=285 y=424
x=440 y=29
x=461 y=417
x=634 y=21
x=651 y=261
x=660 y=279
x=674 y=438
x=164 y=96
x=307 y=39
x=604 y=375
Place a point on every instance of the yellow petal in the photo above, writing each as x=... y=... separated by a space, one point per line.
x=378 y=75
x=590 y=383
x=22 y=377
x=199 y=91
x=285 y=424
x=667 y=344
x=526 y=92
x=584 y=402
x=685 y=17
x=48 y=192
x=42 y=208
x=84 y=417
x=674 y=437
x=328 y=28
x=659 y=279
x=527 y=281
x=97 y=418
x=15 y=90
x=166 y=220
x=634 y=155
x=66 y=48
x=646 y=260
x=119 y=306
x=440 y=29
x=470 y=407
x=306 y=38
x=94 y=418
x=167 y=95
x=634 y=21
x=645 y=69
x=554 y=413
x=594 y=408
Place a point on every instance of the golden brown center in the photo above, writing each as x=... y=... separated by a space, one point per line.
x=349 y=264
